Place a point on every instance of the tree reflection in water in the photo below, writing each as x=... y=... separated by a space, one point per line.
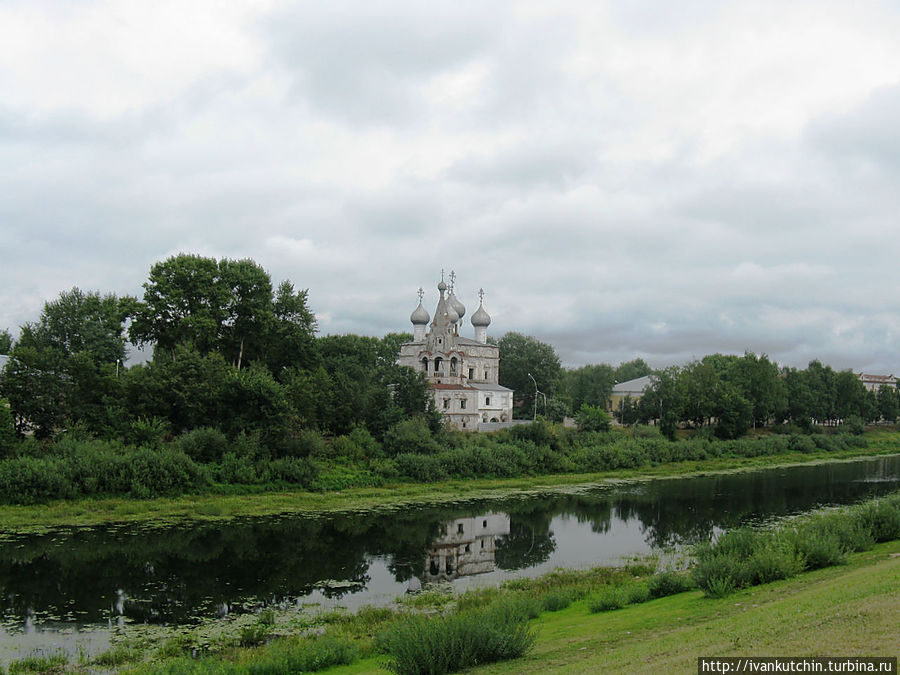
x=174 y=574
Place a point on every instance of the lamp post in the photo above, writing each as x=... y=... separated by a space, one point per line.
x=534 y=415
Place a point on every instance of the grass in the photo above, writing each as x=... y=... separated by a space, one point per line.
x=22 y=519
x=853 y=609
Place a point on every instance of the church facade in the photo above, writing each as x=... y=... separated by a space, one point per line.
x=462 y=373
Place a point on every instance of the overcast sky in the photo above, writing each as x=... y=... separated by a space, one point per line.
x=624 y=179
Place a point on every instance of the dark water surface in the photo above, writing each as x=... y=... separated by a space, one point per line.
x=100 y=576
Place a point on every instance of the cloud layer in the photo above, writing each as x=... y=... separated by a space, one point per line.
x=623 y=179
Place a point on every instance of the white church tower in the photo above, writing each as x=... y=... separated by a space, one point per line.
x=463 y=373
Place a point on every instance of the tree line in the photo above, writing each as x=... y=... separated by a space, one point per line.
x=229 y=352
x=233 y=352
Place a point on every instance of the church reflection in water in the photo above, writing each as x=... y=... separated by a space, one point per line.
x=466 y=546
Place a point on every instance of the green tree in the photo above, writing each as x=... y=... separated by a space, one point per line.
x=291 y=339
x=631 y=370
x=888 y=404
x=664 y=400
x=592 y=418
x=183 y=304
x=62 y=368
x=6 y=342
x=247 y=308
x=761 y=384
x=521 y=355
x=591 y=384
x=183 y=387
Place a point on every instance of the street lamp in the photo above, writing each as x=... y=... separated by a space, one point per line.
x=534 y=415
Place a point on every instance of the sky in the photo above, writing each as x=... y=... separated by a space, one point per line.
x=623 y=179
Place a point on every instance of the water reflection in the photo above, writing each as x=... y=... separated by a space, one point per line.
x=174 y=575
x=465 y=547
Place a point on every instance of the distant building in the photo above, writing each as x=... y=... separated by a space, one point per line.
x=874 y=382
x=462 y=373
x=633 y=389
x=4 y=359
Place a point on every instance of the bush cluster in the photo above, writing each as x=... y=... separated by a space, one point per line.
x=418 y=645
x=77 y=465
x=746 y=557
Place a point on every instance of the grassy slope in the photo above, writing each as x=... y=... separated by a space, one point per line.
x=215 y=506
x=851 y=610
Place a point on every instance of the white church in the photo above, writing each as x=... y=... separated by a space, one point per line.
x=462 y=373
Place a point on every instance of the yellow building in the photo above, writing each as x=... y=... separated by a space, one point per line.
x=632 y=388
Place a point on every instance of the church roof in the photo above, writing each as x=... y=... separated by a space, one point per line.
x=488 y=387
x=450 y=386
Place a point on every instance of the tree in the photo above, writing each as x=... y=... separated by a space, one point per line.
x=183 y=304
x=592 y=418
x=6 y=342
x=521 y=355
x=247 y=307
x=887 y=402
x=291 y=340
x=631 y=370
x=62 y=368
x=591 y=384
x=229 y=307
x=664 y=400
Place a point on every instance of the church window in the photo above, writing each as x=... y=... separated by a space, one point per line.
x=453 y=366
x=425 y=364
x=462 y=404
x=485 y=375
x=487 y=400
x=438 y=362
x=460 y=529
x=471 y=373
x=446 y=402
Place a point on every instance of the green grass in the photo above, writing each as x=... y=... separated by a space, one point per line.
x=853 y=609
x=213 y=506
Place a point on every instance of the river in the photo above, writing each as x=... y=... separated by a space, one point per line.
x=71 y=585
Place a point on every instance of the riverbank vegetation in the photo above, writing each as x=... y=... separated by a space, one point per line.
x=241 y=396
x=604 y=619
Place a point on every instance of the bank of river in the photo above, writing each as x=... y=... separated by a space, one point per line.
x=217 y=507
x=83 y=587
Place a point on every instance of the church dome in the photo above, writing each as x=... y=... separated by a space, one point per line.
x=420 y=316
x=452 y=315
x=457 y=305
x=481 y=318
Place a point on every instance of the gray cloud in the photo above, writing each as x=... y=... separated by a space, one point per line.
x=623 y=181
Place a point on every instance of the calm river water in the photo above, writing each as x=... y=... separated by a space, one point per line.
x=75 y=579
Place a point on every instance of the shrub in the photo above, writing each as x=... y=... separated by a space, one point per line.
x=637 y=593
x=608 y=600
x=555 y=601
x=411 y=436
x=592 y=418
x=774 y=559
x=881 y=519
x=419 y=644
x=421 y=468
x=804 y=444
x=204 y=444
x=236 y=470
x=309 y=655
x=817 y=544
x=294 y=470
x=668 y=583
x=148 y=432
x=854 y=425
